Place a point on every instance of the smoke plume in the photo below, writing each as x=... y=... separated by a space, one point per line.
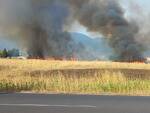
x=39 y=26
x=107 y=18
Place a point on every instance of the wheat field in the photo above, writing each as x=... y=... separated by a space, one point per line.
x=46 y=76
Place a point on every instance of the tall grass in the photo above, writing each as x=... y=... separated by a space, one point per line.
x=16 y=75
x=105 y=83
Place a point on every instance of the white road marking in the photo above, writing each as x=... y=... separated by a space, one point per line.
x=46 y=105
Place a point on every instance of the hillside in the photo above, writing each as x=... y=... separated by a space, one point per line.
x=97 y=47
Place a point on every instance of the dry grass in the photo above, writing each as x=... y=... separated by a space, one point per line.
x=17 y=75
x=48 y=64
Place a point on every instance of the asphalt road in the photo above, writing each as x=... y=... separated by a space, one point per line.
x=42 y=103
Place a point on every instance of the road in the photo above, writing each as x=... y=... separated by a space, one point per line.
x=51 y=103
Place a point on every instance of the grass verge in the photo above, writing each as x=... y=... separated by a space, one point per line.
x=105 y=83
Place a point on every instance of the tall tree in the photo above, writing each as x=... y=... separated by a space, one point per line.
x=5 y=53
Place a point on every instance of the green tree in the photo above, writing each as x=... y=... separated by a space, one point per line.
x=1 y=53
x=5 y=53
x=13 y=53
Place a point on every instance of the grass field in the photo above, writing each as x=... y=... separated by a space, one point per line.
x=74 y=77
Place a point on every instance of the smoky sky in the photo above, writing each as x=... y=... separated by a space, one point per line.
x=38 y=26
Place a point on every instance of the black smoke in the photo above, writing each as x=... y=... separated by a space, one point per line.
x=39 y=26
x=108 y=18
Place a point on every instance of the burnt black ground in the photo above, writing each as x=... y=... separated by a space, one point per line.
x=52 y=103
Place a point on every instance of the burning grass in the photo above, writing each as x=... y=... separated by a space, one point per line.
x=74 y=77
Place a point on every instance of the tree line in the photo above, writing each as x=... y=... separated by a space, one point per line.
x=9 y=53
